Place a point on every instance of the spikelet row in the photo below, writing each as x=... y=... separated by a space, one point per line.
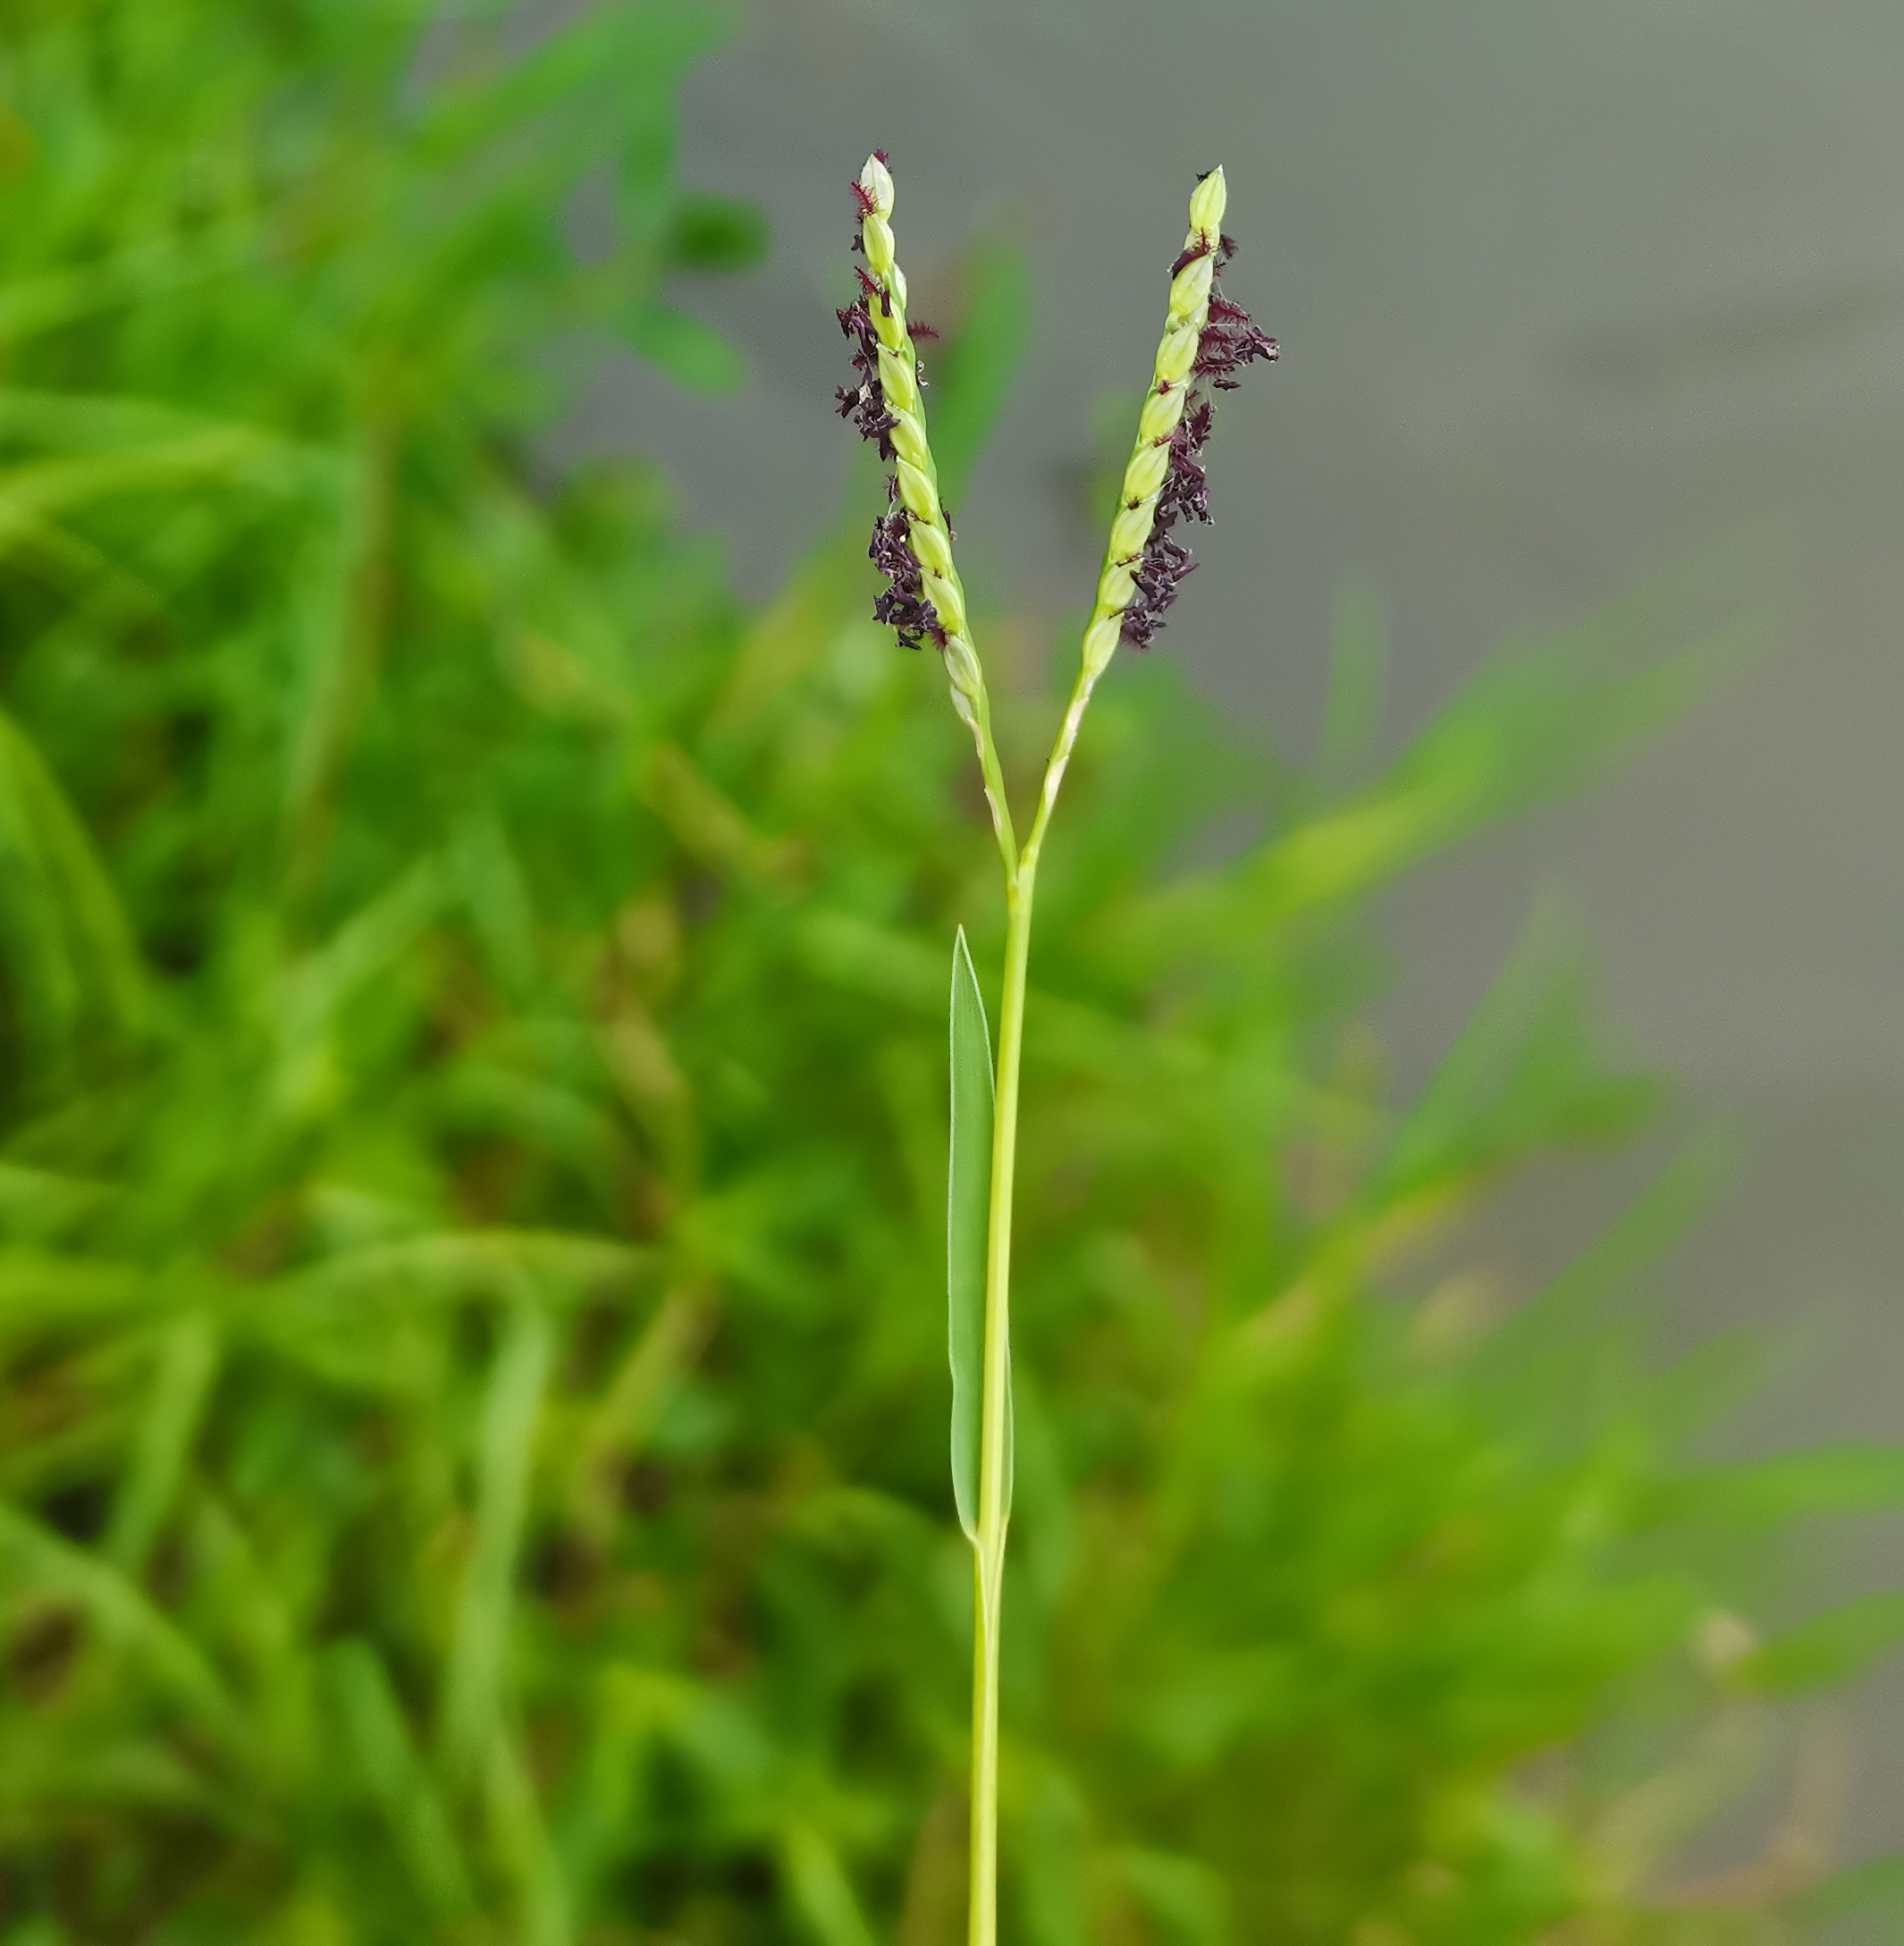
x=1208 y=340
x=912 y=541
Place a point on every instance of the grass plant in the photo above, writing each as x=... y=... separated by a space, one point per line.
x=471 y=1143
x=1207 y=340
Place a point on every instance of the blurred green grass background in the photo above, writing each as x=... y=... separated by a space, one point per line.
x=473 y=1410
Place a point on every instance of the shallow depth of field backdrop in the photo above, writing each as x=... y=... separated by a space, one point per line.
x=475 y=896
x=1563 y=294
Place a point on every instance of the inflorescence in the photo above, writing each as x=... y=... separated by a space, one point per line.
x=1228 y=342
x=905 y=604
x=1209 y=341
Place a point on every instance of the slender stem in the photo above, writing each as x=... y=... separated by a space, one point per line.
x=995 y=796
x=987 y=1565
x=1061 y=749
x=994 y=1421
x=984 y=1899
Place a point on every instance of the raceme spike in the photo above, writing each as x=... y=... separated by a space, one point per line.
x=1209 y=341
x=923 y=599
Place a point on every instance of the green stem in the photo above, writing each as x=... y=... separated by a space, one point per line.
x=984 y=1902
x=988 y=1566
x=995 y=1417
x=995 y=796
x=1055 y=766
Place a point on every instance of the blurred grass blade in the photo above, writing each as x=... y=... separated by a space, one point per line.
x=473 y=1683
x=690 y=352
x=820 y=1888
x=39 y=1287
x=71 y=951
x=1835 y=1646
x=1877 y=1884
x=542 y=1897
x=1591 y=1287
x=1527 y=727
x=124 y=1616
x=718 y=232
x=423 y=1271
x=35 y=1205
x=53 y=488
x=341 y=621
x=187 y=1362
x=968 y=1212
x=1186 y=1901
x=1522 y=1071
x=361 y=950
x=636 y=48
x=379 y=1739
x=1352 y=715
x=496 y=894
x=1793 y=1485
x=637 y=1395
x=142 y=270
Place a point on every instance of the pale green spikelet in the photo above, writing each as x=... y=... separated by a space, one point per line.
x=1172 y=379
x=1163 y=408
x=1206 y=338
x=912 y=545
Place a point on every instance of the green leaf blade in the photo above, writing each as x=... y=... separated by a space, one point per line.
x=968 y=1216
x=718 y=233
x=692 y=354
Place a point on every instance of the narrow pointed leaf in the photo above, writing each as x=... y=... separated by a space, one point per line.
x=968 y=1210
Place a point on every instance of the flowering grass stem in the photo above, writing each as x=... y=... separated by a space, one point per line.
x=1207 y=341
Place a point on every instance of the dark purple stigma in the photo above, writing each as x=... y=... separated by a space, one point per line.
x=903 y=604
x=870 y=288
x=1159 y=575
x=1229 y=341
x=1185 y=494
x=866 y=403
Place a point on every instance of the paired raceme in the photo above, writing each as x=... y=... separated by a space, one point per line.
x=1207 y=342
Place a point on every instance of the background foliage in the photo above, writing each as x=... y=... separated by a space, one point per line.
x=472 y=1460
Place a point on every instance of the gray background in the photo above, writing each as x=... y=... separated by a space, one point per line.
x=1562 y=291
